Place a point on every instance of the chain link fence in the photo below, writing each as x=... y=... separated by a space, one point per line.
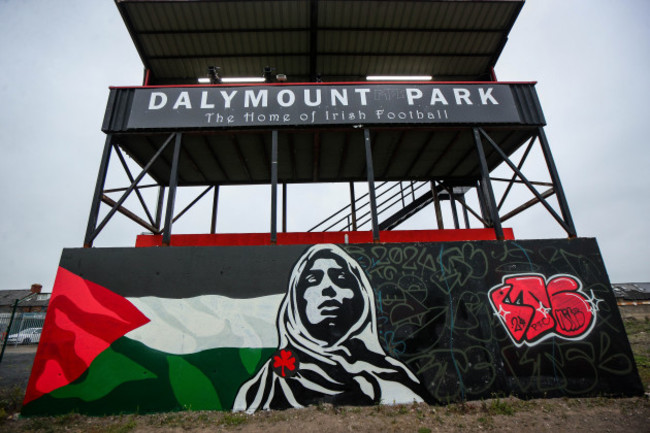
x=25 y=329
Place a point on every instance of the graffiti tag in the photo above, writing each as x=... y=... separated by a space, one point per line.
x=533 y=309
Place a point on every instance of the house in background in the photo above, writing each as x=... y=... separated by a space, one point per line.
x=633 y=299
x=37 y=303
x=30 y=311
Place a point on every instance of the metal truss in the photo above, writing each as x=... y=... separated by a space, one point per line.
x=452 y=189
x=151 y=221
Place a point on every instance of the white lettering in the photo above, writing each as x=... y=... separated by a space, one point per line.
x=204 y=100
x=413 y=94
x=485 y=96
x=290 y=101
x=437 y=96
x=362 y=94
x=308 y=100
x=341 y=97
x=154 y=104
x=462 y=95
x=228 y=97
x=184 y=100
x=250 y=98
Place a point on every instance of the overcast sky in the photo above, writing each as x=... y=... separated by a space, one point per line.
x=57 y=60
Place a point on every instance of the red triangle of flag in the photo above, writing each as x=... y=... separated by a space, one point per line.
x=83 y=320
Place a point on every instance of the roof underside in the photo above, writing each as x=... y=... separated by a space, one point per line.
x=329 y=155
x=308 y=40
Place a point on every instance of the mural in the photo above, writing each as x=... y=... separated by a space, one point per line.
x=248 y=328
x=328 y=321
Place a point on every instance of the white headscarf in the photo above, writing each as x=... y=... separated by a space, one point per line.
x=393 y=379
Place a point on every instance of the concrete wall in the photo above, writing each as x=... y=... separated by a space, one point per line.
x=249 y=328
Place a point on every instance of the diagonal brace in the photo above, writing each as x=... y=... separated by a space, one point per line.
x=525 y=180
x=126 y=194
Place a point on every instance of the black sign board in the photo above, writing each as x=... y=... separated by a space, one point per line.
x=305 y=105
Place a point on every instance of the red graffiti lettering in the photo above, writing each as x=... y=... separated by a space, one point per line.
x=532 y=308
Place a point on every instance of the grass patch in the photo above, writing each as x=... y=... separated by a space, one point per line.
x=10 y=400
x=638 y=332
x=500 y=407
x=233 y=419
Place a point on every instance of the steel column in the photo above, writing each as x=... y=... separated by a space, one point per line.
x=485 y=217
x=284 y=208
x=436 y=205
x=557 y=186
x=215 y=205
x=159 y=206
x=353 y=207
x=371 y=186
x=171 y=198
x=454 y=211
x=488 y=193
x=465 y=213
x=97 y=197
x=274 y=187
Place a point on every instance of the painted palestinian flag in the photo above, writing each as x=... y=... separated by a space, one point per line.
x=271 y=327
x=104 y=353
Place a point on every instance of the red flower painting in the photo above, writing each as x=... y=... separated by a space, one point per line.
x=284 y=360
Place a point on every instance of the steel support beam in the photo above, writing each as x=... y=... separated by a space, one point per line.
x=529 y=203
x=454 y=211
x=557 y=185
x=488 y=193
x=159 y=206
x=130 y=215
x=485 y=217
x=461 y=200
x=274 y=187
x=514 y=176
x=97 y=196
x=436 y=205
x=353 y=207
x=130 y=176
x=90 y=237
x=371 y=185
x=532 y=189
x=284 y=208
x=171 y=197
x=215 y=207
x=189 y=206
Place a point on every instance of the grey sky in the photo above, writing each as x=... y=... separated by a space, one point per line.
x=58 y=59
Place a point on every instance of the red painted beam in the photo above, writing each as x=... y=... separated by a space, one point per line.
x=310 y=238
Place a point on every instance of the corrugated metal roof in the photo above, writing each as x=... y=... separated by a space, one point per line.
x=336 y=40
x=632 y=291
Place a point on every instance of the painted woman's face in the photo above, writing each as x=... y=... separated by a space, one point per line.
x=329 y=298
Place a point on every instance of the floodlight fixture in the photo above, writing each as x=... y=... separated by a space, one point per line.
x=243 y=79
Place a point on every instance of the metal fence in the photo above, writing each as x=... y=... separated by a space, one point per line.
x=25 y=329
